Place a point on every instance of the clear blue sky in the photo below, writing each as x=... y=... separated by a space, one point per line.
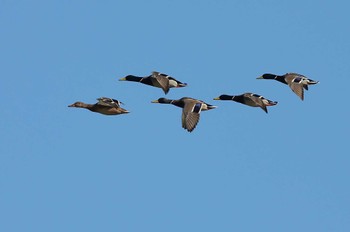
x=67 y=169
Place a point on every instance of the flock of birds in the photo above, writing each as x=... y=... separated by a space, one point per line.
x=191 y=107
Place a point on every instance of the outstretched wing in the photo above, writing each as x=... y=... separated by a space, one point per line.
x=191 y=114
x=295 y=82
x=297 y=89
x=259 y=101
x=160 y=80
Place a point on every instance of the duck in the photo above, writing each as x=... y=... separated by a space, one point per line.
x=249 y=99
x=191 y=109
x=105 y=105
x=156 y=79
x=295 y=81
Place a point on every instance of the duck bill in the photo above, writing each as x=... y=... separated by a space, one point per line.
x=261 y=77
x=155 y=101
x=122 y=79
x=217 y=98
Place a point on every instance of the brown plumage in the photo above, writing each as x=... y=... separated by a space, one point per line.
x=106 y=106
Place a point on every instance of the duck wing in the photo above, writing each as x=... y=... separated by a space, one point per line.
x=110 y=102
x=258 y=101
x=191 y=114
x=160 y=80
x=297 y=89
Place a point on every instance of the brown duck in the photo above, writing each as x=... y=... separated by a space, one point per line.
x=107 y=106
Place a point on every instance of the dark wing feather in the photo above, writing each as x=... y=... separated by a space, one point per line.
x=190 y=119
x=257 y=101
x=160 y=80
x=297 y=89
x=110 y=102
x=294 y=82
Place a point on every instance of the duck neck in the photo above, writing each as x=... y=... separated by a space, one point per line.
x=177 y=103
x=238 y=98
x=145 y=80
x=85 y=106
x=91 y=107
x=280 y=79
x=275 y=77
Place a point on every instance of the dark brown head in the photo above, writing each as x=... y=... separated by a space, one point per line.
x=78 y=105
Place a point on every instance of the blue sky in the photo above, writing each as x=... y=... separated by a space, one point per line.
x=67 y=169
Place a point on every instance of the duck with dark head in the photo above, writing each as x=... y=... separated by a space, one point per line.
x=295 y=81
x=156 y=79
x=191 y=109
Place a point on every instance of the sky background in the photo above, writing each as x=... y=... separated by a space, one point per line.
x=68 y=169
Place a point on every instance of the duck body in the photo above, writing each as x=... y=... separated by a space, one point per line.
x=295 y=81
x=191 y=109
x=156 y=79
x=106 y=106
x=249 y=99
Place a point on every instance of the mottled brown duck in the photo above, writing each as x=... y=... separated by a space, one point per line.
x=106 y=106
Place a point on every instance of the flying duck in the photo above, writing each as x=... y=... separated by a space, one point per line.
x=156 y=79
x=249 y=99
x=107 y=106
x=295 y=81
x=191 y=109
